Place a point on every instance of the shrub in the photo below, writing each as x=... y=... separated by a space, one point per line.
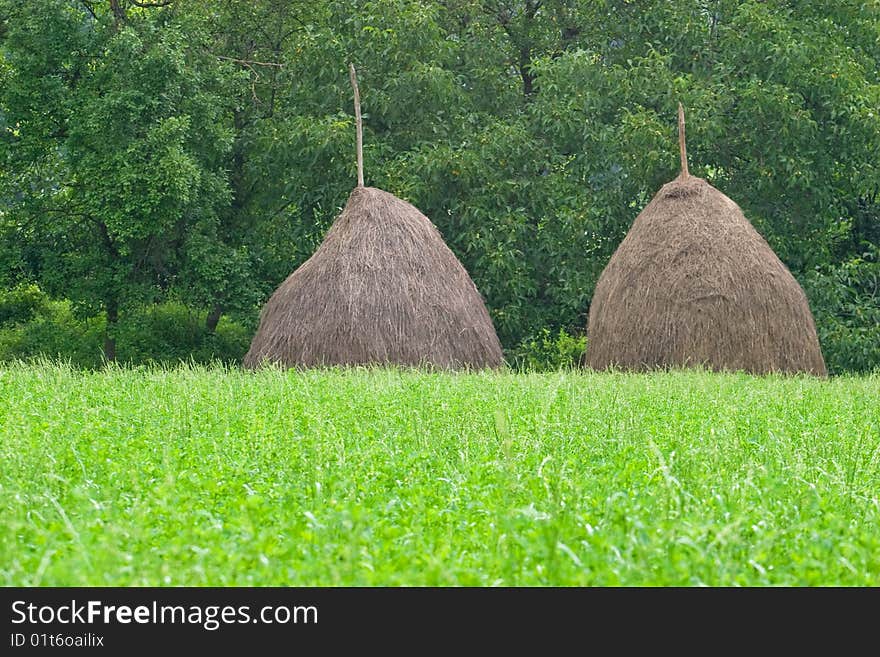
x=53 y=332
x=165 y=333
x=21 y=304
x=547 y=351
x=170 y=332
x=845 y=300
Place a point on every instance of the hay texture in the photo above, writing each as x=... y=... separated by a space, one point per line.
x=694 y=284
x=383 y=288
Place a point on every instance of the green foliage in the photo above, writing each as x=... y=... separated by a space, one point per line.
x=548 y=352
x=198 y=152
x=162 y=334
x=846 y=303
x=218 y=477
x=115 y=155
x=54 y=332
x=170 y=334
x=21 y=303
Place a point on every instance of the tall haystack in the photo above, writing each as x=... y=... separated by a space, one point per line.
x=382 y=288
x=693 y=283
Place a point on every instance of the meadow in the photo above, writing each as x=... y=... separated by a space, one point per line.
x=199 y=476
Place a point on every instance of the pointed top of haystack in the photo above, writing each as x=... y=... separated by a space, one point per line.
x=694 y=284
x=383 y=288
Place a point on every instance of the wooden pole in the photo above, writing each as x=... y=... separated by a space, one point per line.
x=682 y=146
x=359 y=126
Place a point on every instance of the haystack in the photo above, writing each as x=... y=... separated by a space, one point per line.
x=694 y=284
x=382 y=288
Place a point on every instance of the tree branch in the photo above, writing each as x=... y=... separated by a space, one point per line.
x=249 y=62
x=89 y=8
x=108 y=241
x=532 y=9
x=156 y=3
x=118 y=12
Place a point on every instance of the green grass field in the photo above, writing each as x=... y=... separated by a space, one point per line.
x=195 y=476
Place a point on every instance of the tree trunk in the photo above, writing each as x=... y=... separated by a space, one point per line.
x=112 y=308
x=213 y=318
x=525 y=71
x=118 y=13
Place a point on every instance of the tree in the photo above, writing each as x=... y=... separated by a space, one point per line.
x=265 y=225
x=115 y=150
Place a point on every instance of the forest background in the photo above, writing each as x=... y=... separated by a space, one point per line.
x=165 y=164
